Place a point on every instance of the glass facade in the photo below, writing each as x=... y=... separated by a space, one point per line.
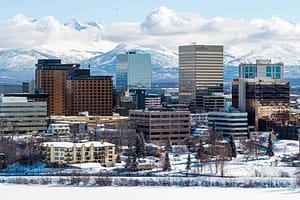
x=261 y=70
x=133 y=71
x=273 y=72
x=248 y=71
x=121 y=71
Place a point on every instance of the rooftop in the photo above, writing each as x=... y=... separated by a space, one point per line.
x=71 y=144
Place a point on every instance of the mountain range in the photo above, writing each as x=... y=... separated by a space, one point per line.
x=87 y=44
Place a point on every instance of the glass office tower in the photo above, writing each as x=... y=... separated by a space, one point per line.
x=133 y=71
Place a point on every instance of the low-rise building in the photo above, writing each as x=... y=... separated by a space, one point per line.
x=61 y=153
x=160 y=125
x=231 y=122
x=20 y=116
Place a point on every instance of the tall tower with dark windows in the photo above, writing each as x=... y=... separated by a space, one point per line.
x=201 y=77
x=261 y=92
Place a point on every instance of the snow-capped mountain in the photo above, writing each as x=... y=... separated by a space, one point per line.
x=77 y=25
x=17 y=65
x=164 y=61
x=24 y=41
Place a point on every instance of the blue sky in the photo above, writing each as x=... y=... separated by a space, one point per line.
x=109 y=11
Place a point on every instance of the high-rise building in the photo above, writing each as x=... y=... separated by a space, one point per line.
x=261 y=69
x=266 y=102
x=85 y=93
x=261 y=92
x=134 y=70
x=51 y=76
x=28 y=87
x=200 y=74
x=72 y=90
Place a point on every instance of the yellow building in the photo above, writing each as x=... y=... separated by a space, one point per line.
x=92 y=121
x=61 y=153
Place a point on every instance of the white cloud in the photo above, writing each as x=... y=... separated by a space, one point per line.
x=49 y=33
x=165 y=21
x=162 y=26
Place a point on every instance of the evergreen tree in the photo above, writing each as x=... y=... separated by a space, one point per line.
x=128 y=162
x=200 y=151
x=232 y=146
x=168 y=146
x=269 y=151
x=139 y=146
x=118 y=159
x=167 y=164
x=188 y=163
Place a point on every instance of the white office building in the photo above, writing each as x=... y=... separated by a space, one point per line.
x=20 y=116
x=231 y=122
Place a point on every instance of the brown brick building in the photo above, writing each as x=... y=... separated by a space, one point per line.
x=72 y=90
x=89 y=93
x=159 y=126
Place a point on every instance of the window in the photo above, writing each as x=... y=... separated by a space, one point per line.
x=269 y=71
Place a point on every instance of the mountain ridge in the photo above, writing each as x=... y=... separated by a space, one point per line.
x=14 y=62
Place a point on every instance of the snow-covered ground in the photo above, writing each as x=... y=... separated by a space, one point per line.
x=145 y=193
x=239 y=172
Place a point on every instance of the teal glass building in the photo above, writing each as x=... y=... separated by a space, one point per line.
x=133 y=70
x=262 y=69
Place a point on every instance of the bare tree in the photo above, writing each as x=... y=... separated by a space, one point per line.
x=8 y=148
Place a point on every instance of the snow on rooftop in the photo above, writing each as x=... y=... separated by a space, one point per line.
x=71 y=144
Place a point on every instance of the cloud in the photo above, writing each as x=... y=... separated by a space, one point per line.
x=21 y=32
x=162 y=27
x=165 y=21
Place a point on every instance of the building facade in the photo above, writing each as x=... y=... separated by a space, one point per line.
x=261 y=69
x=20 y=116
x=92 y=94
x=72 y=90
x=134 y=70
x=159 y=126
x=230 y=122
x=200 y=73
x=265 y=101
x=61 y=153
x=51 y=76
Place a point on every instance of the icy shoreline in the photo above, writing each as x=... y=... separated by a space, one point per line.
x=73 y=180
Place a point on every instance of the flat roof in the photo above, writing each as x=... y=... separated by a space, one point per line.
x=71 y=144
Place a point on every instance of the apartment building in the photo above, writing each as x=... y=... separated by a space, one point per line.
x=62 y=153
